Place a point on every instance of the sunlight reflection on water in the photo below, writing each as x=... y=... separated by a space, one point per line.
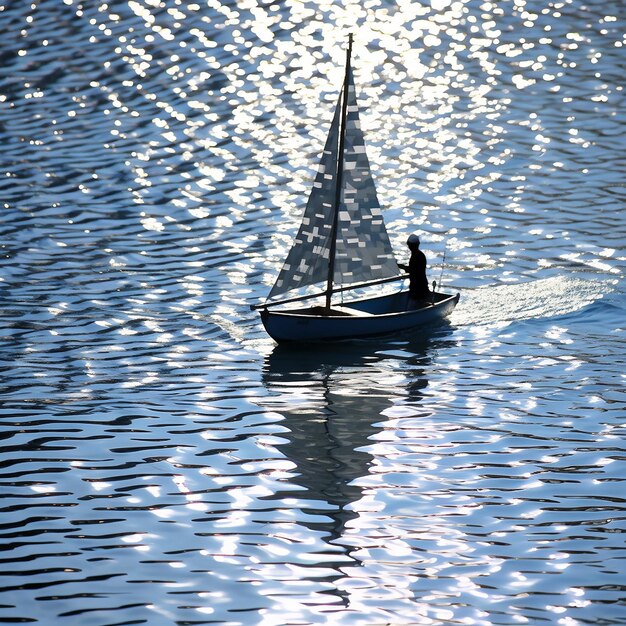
x=163 y=462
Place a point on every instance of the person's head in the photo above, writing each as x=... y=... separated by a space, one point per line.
x=413 y=242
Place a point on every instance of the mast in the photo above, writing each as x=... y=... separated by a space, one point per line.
x=339 y=176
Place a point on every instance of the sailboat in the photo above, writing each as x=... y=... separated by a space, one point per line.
x=343 y=242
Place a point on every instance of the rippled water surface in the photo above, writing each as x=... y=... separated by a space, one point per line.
x=163 y=462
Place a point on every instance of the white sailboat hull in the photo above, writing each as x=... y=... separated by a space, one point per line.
x=359 y=319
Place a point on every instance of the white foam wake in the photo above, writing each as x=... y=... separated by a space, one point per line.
x=530 y=300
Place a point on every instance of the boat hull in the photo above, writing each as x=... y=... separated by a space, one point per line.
x=359 y=319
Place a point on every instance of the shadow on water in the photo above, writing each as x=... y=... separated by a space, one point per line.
x=333 y=398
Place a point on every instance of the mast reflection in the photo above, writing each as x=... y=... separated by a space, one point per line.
x=333 y=399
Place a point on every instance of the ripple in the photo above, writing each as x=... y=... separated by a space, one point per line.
x=163 y=462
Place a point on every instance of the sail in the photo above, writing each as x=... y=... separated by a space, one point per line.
x=363 y=250
x=307 y=261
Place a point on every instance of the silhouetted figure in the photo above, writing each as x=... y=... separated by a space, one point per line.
x=418 y=283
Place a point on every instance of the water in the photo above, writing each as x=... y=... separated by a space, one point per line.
x=164 y=462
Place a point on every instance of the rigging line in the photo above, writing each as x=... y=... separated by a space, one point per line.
x=443 y=262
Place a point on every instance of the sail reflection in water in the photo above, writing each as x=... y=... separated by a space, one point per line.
x=334 y=404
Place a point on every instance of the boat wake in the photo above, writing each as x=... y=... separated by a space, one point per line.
x=550 y=297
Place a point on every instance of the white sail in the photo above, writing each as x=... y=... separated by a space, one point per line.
x=363 y=251
x=307 y=261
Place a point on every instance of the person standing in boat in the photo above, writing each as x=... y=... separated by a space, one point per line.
x=418 y=283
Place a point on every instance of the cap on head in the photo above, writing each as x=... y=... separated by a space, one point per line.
x=413 y=240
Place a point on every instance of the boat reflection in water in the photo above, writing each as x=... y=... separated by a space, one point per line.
x=333 y=401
